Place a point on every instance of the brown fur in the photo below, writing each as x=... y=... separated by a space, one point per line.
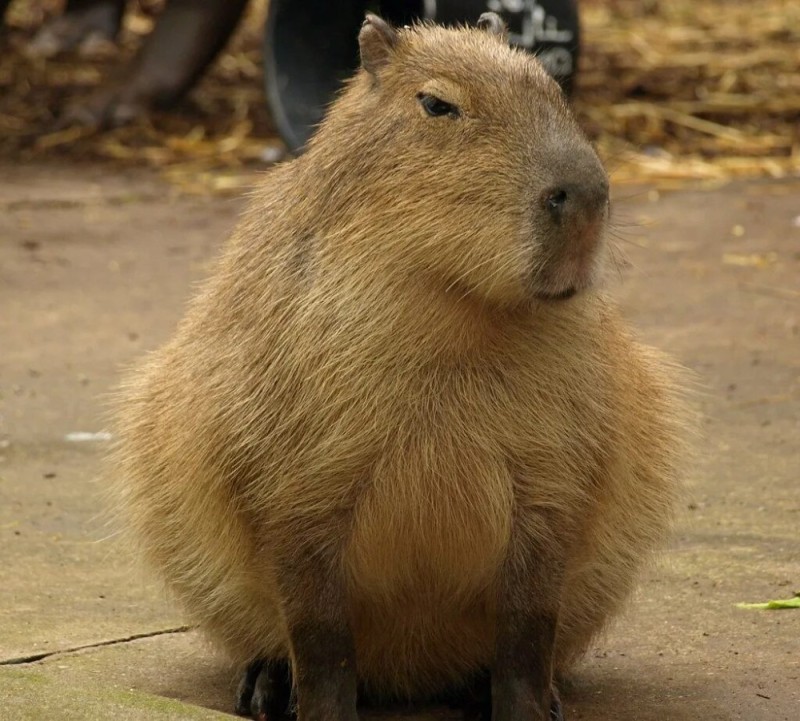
x=370 y=378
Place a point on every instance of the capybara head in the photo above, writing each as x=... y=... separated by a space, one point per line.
x=456 y=156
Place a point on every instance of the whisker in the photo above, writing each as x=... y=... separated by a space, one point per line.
x=460 y=278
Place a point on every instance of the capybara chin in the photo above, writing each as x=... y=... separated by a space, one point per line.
x=400 y=437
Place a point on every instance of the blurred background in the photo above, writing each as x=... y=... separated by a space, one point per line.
x=672 y=91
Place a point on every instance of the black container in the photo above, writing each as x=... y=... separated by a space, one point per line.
x=311 y=46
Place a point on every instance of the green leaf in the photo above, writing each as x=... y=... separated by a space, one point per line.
x=793 y=602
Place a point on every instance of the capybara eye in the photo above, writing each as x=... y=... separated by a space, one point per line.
x=436 y=107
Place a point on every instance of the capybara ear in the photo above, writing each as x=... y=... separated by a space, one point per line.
x=493 y=23
x=376 y=42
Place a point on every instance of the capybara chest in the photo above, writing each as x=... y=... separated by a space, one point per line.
x=437 y=516
x=438 y=507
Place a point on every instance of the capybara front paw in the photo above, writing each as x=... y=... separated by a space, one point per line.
x=556 y=710
x=265 y=691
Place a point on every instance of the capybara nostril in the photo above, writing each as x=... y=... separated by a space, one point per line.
x=555 y=200
x=576 y=199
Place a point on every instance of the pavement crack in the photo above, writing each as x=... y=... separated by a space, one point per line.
x=33 y=658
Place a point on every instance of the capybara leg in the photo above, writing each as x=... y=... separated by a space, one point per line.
x=476 y=700
x=265 y=691
x=314 y=605
x=522 y=686
x=324 y=669
x=527 y=618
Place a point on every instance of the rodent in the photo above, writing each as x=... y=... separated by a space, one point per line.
x=402 y=436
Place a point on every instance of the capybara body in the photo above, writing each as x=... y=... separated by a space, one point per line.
x=400 y=432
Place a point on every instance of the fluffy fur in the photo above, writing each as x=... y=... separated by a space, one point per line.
x=372 y=371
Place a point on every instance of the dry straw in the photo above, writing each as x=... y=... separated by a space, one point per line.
x=671 y=91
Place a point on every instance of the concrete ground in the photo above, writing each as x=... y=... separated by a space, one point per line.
x=95 y=266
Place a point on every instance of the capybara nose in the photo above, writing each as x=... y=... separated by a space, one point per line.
x=577 y=200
